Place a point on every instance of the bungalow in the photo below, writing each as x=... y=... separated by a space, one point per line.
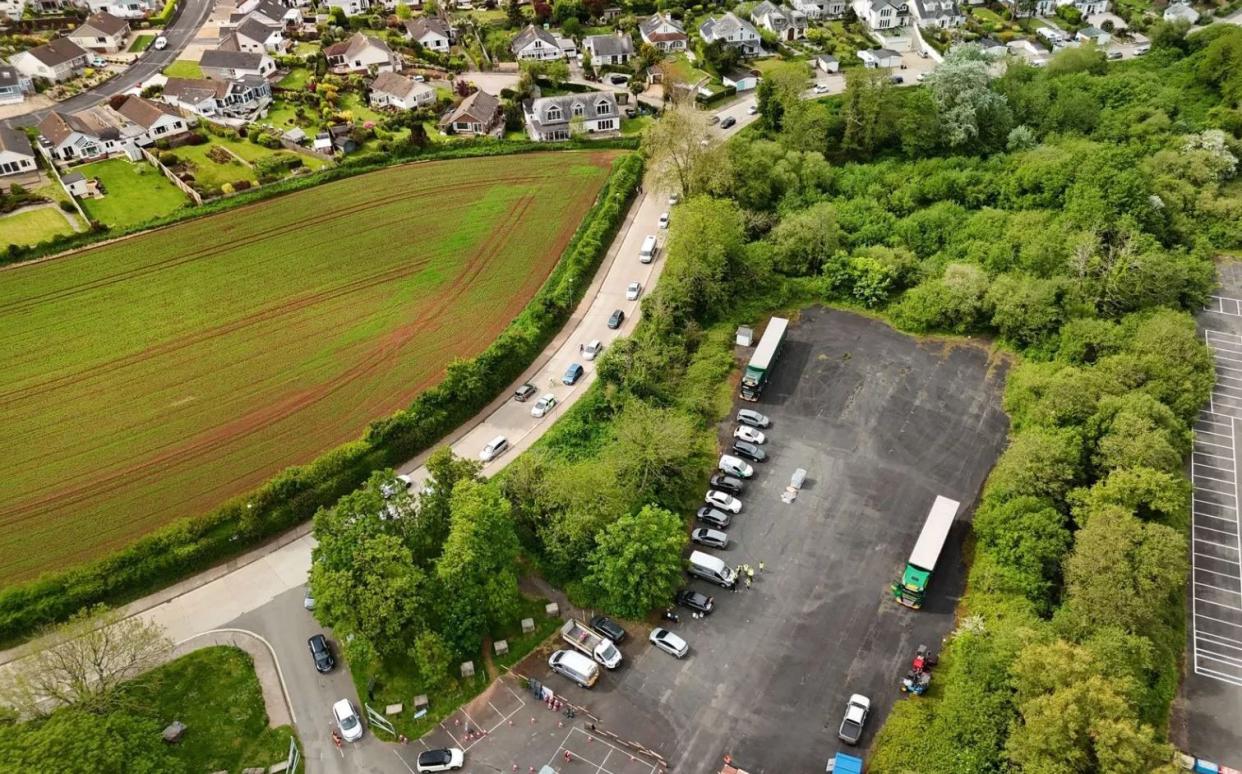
x=1178 y=12
x=664 y=33
x=90 y=134
x=741 y=80
x=157 y=120
x=14 y=85
x=102 y=32
x=786 y=25
x=828 y=63
x=549 y=119
x=879 y=58
x=430 y=32
x=1094 y=35
x=255 y=36
x=126 y=9
x=478 y=114
x=938 y=13
x=362 y=52
x=731 y=31
x=57 y=60
x=393 y=90
x=615 y=49
x=883 y=14
x=226 y=65
x=821 y=9
x=267 y=12
x=350 y=7
x=16 y=155
x=536 y=43
x=242 y=98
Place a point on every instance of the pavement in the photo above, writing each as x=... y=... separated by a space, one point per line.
x=883 y=423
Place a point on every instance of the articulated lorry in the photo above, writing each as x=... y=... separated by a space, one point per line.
x=917 y=575
x=759 y=369
x=583 y=638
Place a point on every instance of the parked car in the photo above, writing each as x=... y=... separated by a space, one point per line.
x=494 y=448
x=713 y=120
x=442 y=759
x=98 y=61
x=734 y=466
x=752 y=418
x=321 y=653
x=401 y=483
x=160 y=43
x=695 y=600
x=592 y=349
x=753 y=109
x=712 y=538
x=896 y=79
x=855 y=717
x=728 y=122
x=524 y=393
x=347 y=720
x=1114 y=54
x=724 y=502
x=1142 y=50
x=615 y=320
x=664 y=220
x=749 y=451
x=733 y=486
x=572 y=374
x=713 y=517
x=633 y=291
x=749 y=434
x=673 y=199
x=543 y=406
x=420 y=79
x=668 y=642
x=609 y=628
x=821 y=88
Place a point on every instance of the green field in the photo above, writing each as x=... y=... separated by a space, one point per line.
x=136 y=193
x=155 y=377
x=32 y=226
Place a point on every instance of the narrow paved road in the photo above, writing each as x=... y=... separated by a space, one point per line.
x=181 y=29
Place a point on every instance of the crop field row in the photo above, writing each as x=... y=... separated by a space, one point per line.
x=155 y=377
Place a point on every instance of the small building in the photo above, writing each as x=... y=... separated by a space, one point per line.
x=57 y=60
x=551 y=119
x=76 y=184
x=1181 y=12
x=362 y=53
x=1094 y=35
x=14 y=85
x=102 y=32
x=430 y=32
x=478 y=114
x=17 y=157
x=535 y=43
x=664 y=33
x=879 y=58
x=393 y=90
x=227 y=65
x=741 y=80
x=349 y=8
x=733 y=32
x=615 y=49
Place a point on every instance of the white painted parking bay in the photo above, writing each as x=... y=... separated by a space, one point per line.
x=1216 y=547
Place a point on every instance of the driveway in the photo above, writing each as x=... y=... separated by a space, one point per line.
x=882 y=423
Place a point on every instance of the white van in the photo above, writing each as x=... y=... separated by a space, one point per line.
x=494 y=448
x=575 y=666
x=735 y=466
x=647 y=253
x=712 y=568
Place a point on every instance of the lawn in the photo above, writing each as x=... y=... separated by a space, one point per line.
x=183 y=68
x=141 y=42
x=682 y=71
x=210 y=173
x=636 y=125
x=187 y=365
x=32 y=226
x=136 y=193
x=296 y=79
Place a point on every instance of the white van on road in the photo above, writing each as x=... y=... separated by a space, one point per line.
x=648 y=251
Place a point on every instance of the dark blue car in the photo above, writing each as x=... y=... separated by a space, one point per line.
x=572 y=374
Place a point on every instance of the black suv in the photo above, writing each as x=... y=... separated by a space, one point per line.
x=728 y=122
x=733 y=486
x=695 y=600
x=321 y=653
x=750 y=451
x=608 y=627
x=616 y=319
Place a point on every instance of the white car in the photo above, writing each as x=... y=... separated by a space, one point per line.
x=673 y=199
x=750 y=434
x=160 y=43
x=398 y=484
x=753 y=109
x=494 y=448
x=855 y=718
x=543 y=406
x=821 y=88
x=735 y=466
x=664 y=220
x=347 y=720
x=633 y=291
x=441 y=759
x=668 y=642
x=724 y=502
x=592 y=349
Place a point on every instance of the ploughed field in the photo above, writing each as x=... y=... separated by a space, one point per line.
x=155 y=377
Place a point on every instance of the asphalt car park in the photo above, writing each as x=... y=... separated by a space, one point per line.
x=882 y=423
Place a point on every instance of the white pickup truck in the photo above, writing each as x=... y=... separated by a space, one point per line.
x=581 y=637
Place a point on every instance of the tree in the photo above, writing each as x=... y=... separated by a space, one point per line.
x=76 y=740
x=1025 y=309
x=88 y=662
x=1027 y=535
x=636 y=564
x=1150 y=494
x=1136 y=430
x=433 y=656
x=426 y=534
x=703 y=252
x=513 y=14
x=655 y=450
x=865 y=111
x=965 y=101
x=1039 y=462
x=805 y=239
x=675 y=146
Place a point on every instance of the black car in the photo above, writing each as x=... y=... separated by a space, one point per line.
x=524 y=393
x=608 y=627
x=616 y=319
x=729 y=121
x=896 y=79
x=733 y=486
x=321 y=653
x=749 y=451
x=714 y=517
x=695 y=600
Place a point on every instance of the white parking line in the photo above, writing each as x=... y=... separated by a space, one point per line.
x=1212 y=543
x=1212 y=529
x=1218 y=588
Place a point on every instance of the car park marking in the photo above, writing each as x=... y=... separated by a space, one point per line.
x=592 y=744
x=1224 y=305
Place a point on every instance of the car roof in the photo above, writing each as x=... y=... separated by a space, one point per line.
x=343 y=708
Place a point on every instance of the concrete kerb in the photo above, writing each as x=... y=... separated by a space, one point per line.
x=279 y=705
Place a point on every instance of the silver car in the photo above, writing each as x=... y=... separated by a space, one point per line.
x=712 y=538
x=669 y=643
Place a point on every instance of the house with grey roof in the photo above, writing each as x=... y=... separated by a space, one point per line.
x=536 y=43
x=255 y=36
x=479 y=114
x=17 y=157
x=158 y=120
x=430 y=32
x=731 y=31
x=239 y=99
x=551 y=119
x=821 y=9
x=1181 y=12
x=101 y=32
x=57 y=60
x=393 y=90
x=883 y=14
x=937 y=13
x=267 y=12
x=218 y=63
x=14 y=85
x=1090 y=34
x=879 y=58
x=664 y=33
x=362 y=53
x=827 y=62
x=615 y=49
x=125 y=9
x=786 y=24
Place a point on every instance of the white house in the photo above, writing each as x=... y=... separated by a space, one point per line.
x=615 y=49
x=430 y=32
x=266 y=11
x=362 y=52
x=664 y=33
x=14 y=85
x=1181 y=12
x=733 y=32
x=821 y=9
x=12 y=9
x=89 y=134
x=16 y=155
x=549 y=119
x=393 y=90
x=879 y=58
x=536 y=43
x=241 y=98
x=255 y=36
x=828 y=63
x=883 y=14
x=1094 y=35
x=350 y=7
x=224 y=65
x=157 y=120
x=102 y=32
x=57 y=60
x=786 y=25
x=126 y=9
x=938 y=13
x=741 y=80
x=478 y=114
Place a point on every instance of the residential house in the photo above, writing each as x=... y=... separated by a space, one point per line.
x=879 y=58
x=157 y=120
x=536 y=43
x=1177 y=12
x=126 y=9
x=1088 y=7
x=1049 y=7
x=1093 y=35
x=102 y=32
x=478 y=114
x=664 y=33
x=785 y=24
x=549 y=119
x=362 y=52
x=255 y=36
x=731 y=31
x=57 y=60
x=883 y=14
x=827 y=62
x=821 y=9
x=569 y=48
x=430 y=32
x=938 y=13
x=350 y=7
x=12 y=9
x=393 y=90
x=90 y=134
x=14 y=85
x=16 y=155
x=241 y=98
x=615 y=49
x=267 y=12
x=226 y=65
x=741 y=80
